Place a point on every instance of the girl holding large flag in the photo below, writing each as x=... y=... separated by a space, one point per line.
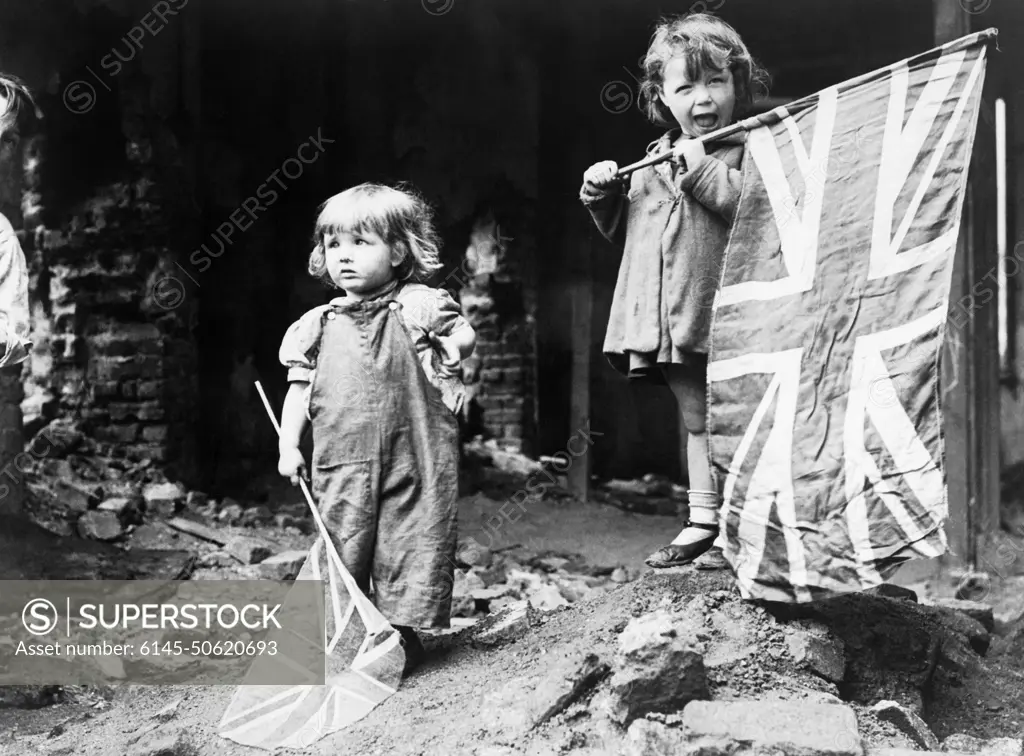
x=673 y=221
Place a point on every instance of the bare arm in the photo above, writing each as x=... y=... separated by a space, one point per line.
x=464 y=339
x=293 y=416
x=291 y=463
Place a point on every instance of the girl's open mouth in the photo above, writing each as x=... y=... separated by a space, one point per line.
x=705 y=121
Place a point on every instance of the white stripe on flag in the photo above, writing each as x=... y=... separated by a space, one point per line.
x=798 y=223
x=772 y=478
x=900 y=150
x=386 y=688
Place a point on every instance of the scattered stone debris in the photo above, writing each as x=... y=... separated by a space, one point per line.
x=512 y=622
x=164 y=500
x=658 y=669
x=248 y=550
x=908 y=722
x=716 y=728
x=164 y=743
x=526 y=703
x=966 y=744
x=254 y=516
x=100 y=526
x=648 y=738
x=230 y=512
x=499 y=580
x=812 y=644
x=504 y=460
x=652 y=494
x=283 y=566
x=126 y=509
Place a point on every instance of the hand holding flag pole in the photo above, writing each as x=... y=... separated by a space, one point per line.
x=350 y=582
x=627 y=170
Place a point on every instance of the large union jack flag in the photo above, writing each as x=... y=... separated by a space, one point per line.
x=824 y=413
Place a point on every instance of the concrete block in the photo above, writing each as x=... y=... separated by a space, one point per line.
x=794 y=728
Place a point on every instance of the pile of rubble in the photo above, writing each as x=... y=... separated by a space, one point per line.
x=77 y=486
x=695 y=671
x=840 y=678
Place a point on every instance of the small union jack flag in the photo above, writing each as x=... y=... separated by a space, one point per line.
x=824 y=411
x=363 y=660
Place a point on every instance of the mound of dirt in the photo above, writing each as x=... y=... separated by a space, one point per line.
x=526 y=681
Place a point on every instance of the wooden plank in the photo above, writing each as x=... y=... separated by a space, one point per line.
x=198 y=530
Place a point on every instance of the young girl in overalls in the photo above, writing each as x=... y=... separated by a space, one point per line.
x=375 y=373
x=674 y=223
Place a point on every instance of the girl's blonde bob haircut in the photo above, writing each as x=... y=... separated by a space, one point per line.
x=398 y=215
x=706 y=43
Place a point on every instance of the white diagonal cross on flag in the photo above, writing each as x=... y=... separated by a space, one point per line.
x=832 y=290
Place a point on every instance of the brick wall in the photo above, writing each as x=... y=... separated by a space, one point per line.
x=498 y=295
x=111 y=350
x=106 y=216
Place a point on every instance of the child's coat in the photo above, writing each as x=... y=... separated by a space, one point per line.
x=674 y=232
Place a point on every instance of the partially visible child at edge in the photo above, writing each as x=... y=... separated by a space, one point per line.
x=375 y=373
x=674 y=223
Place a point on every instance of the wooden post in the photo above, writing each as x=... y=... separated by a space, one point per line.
x=970 y=368
x=582 y=305
x=983 y=340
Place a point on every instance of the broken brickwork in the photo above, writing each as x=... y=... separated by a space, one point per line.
x=104 y=222
x=499 y=300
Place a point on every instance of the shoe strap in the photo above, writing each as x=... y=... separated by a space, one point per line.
x=702 y=525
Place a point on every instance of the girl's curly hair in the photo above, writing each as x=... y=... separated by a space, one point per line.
x=20 y=108
x=398 y=215
x=705 y=42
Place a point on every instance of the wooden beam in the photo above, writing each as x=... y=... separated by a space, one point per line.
x=970 y=359
x=983 y=339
